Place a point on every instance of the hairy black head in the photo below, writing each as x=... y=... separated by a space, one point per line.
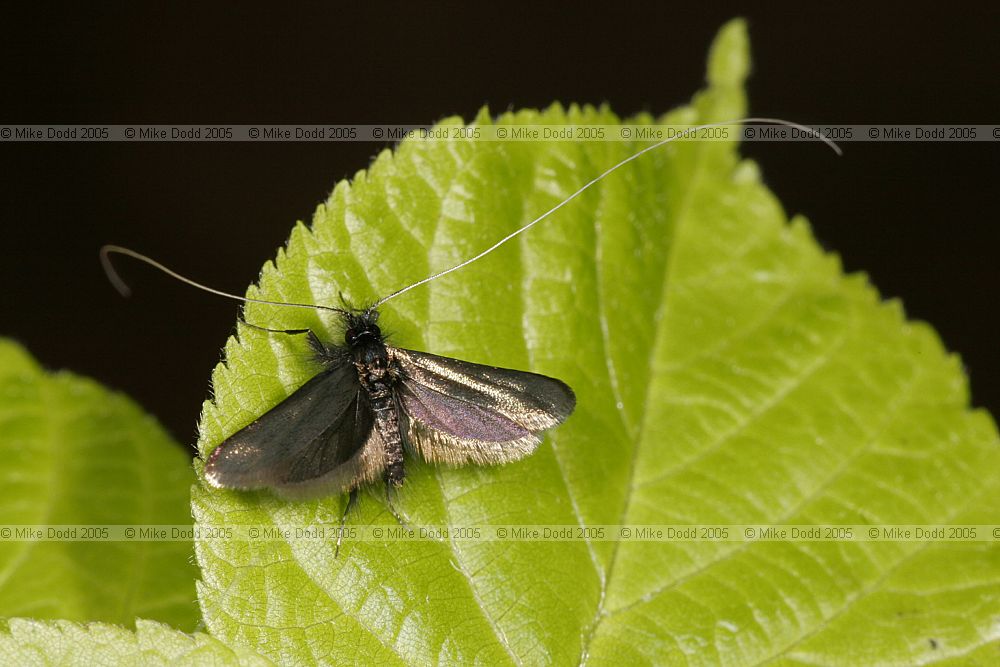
x=360 y=327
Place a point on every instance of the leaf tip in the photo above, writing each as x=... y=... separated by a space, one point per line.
x=729 y=55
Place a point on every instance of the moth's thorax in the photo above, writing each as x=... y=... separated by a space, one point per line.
x=370 y=355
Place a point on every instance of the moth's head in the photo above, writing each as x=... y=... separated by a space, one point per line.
x=360 y=327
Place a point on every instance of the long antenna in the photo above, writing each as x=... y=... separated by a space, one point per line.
x=596 y=179
x=124 y=290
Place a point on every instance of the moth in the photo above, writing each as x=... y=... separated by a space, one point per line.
x=351 y=423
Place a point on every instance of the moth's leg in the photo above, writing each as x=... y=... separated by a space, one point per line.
x=352 y=500
x=290 y=332
x=314 y=342
x=392 y=508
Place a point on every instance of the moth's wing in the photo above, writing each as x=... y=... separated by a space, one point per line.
x=366 y=464
x=314 y=442
x=457 y=412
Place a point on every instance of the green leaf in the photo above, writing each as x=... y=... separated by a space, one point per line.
x=29 y=642
x=75 y=453
x=727 y=372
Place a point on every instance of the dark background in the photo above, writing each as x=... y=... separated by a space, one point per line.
x=920 y=218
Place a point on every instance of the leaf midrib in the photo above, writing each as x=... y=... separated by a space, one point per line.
x=661 y=319
x=498 y=632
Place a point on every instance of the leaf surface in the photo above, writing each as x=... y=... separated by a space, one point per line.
x=727 y=372
x=30 y=642
x=77 y=453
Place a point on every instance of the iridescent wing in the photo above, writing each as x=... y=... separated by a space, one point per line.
x=457 y=412
x=318 y=441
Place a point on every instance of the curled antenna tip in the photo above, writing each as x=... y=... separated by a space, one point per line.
x=814 y=133
x=109 y=270
x=120 y=285
x=832 y=144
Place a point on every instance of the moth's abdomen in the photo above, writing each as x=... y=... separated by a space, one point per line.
x=372 y=362
x=387 y=423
